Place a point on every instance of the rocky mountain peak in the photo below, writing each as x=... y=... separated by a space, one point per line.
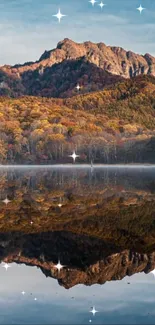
x=62 y=62
x=113 y=59
x=65 y=42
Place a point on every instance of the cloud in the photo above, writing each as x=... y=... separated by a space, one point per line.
x=27 y=28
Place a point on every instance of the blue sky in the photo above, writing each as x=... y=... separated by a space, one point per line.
x=116 y=301
x=27 y=27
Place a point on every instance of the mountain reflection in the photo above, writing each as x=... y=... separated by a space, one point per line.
x=100 y=224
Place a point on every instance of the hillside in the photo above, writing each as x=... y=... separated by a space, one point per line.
x=132 y=101
x=123 y=205
x=110 y=126
x=81 y=265
x=57 y=72
x=114 y=211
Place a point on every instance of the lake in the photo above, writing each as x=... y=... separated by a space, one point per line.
x=74 y=240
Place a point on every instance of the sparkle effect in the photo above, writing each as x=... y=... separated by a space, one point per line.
x=6 y=201
x=78 y=87
x=59 y=266
x=59 y=15
x=140 y=8
x=101 y=4
x=74 y=156
x=6 y=266
x=93 y=311
x=60 y=205
x=92 y=2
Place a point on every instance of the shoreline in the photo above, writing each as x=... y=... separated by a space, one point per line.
x=66 y=166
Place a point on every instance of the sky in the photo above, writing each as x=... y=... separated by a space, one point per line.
x=117 y=302
x=28 y=28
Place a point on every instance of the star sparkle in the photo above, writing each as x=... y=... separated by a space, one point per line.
x=6 y=201
x=93 y=311
x=74 y=156
x=78 y=87
x=60 y=205
x=140 y=8
x=101 y=4
x=23 y=293
x=59 y=15
x=92 y=2
x=6 y=266
x=59 y=266
x=35 y=299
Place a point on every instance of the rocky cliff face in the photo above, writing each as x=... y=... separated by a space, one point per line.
x=88 y=260
x=58 y=71
x=109 y=58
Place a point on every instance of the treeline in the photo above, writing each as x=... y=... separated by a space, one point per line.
x=112 y=126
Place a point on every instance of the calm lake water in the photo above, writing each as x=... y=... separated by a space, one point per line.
x=99 y=224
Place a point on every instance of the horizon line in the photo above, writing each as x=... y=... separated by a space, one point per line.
x=81 y=166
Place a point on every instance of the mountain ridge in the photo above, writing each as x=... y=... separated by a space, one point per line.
x=57 y=66
x=68 y=49
x=83 y=265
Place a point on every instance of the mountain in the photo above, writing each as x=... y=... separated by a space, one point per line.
x=85 y=257
x=57 y=72
x=110 y=120
x=104 y=230
x=61 y=79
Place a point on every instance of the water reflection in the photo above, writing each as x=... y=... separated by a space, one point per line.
x=100 y=225
x=130 y=301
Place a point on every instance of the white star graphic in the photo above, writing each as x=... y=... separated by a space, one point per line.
x=140 y=8
x=6 y=266
x=59 y=15
x=23 y=293
x=78 y=87
x=74 y=156
x=93 y=311
x=6 y=201
x=35 y=299
x=92 y=2
x=59 y=266
x=101 y=4
x=60 y=205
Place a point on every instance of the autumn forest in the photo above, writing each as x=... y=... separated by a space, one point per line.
x=44 y=119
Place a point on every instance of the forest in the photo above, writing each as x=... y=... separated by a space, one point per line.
x=115 y=125
x=123 y=204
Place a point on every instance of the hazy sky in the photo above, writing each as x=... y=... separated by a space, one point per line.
x=116 y=301
x=27 y=27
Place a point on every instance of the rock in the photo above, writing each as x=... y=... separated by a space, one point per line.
x=58 y=71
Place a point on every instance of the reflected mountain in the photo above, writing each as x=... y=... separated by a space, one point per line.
x=87 y=260
x=100 y=224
